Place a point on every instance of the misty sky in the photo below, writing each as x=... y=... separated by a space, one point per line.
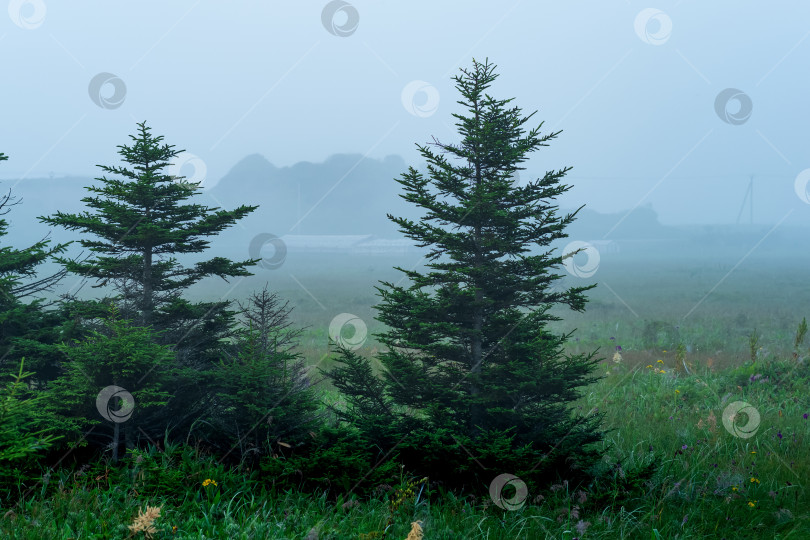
x=635 y=92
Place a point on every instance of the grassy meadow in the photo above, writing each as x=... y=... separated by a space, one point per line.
x=681 y=340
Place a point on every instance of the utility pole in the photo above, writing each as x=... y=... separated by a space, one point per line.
x=751 y=191
x=749 y=196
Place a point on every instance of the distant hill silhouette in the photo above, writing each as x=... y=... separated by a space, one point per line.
x=344 y=195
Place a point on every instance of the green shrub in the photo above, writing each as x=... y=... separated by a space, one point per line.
x=121 y=356
x=340 y=460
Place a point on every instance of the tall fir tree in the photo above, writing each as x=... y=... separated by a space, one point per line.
x=142 y=223
x=28 y=327
x=471 y=366
x=18 y=265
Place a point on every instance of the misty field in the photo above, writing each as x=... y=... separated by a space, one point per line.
x=362 y=272
x=739 y=345
x=647 y=302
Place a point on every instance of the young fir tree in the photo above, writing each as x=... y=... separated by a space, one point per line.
x=141 y=223
x=19 y=444
x=471 y=367
x=264 y=400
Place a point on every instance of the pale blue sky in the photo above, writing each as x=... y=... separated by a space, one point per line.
x=226 y=79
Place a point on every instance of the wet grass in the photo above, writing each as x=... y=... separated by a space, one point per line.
x=710 y=484
x=712 y=480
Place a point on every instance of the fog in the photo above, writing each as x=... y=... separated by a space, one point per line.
x=641 y=96
x=685 y=125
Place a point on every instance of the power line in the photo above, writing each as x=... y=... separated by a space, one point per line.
x=696 y=177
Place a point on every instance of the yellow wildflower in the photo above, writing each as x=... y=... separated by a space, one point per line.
x=209 y=482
